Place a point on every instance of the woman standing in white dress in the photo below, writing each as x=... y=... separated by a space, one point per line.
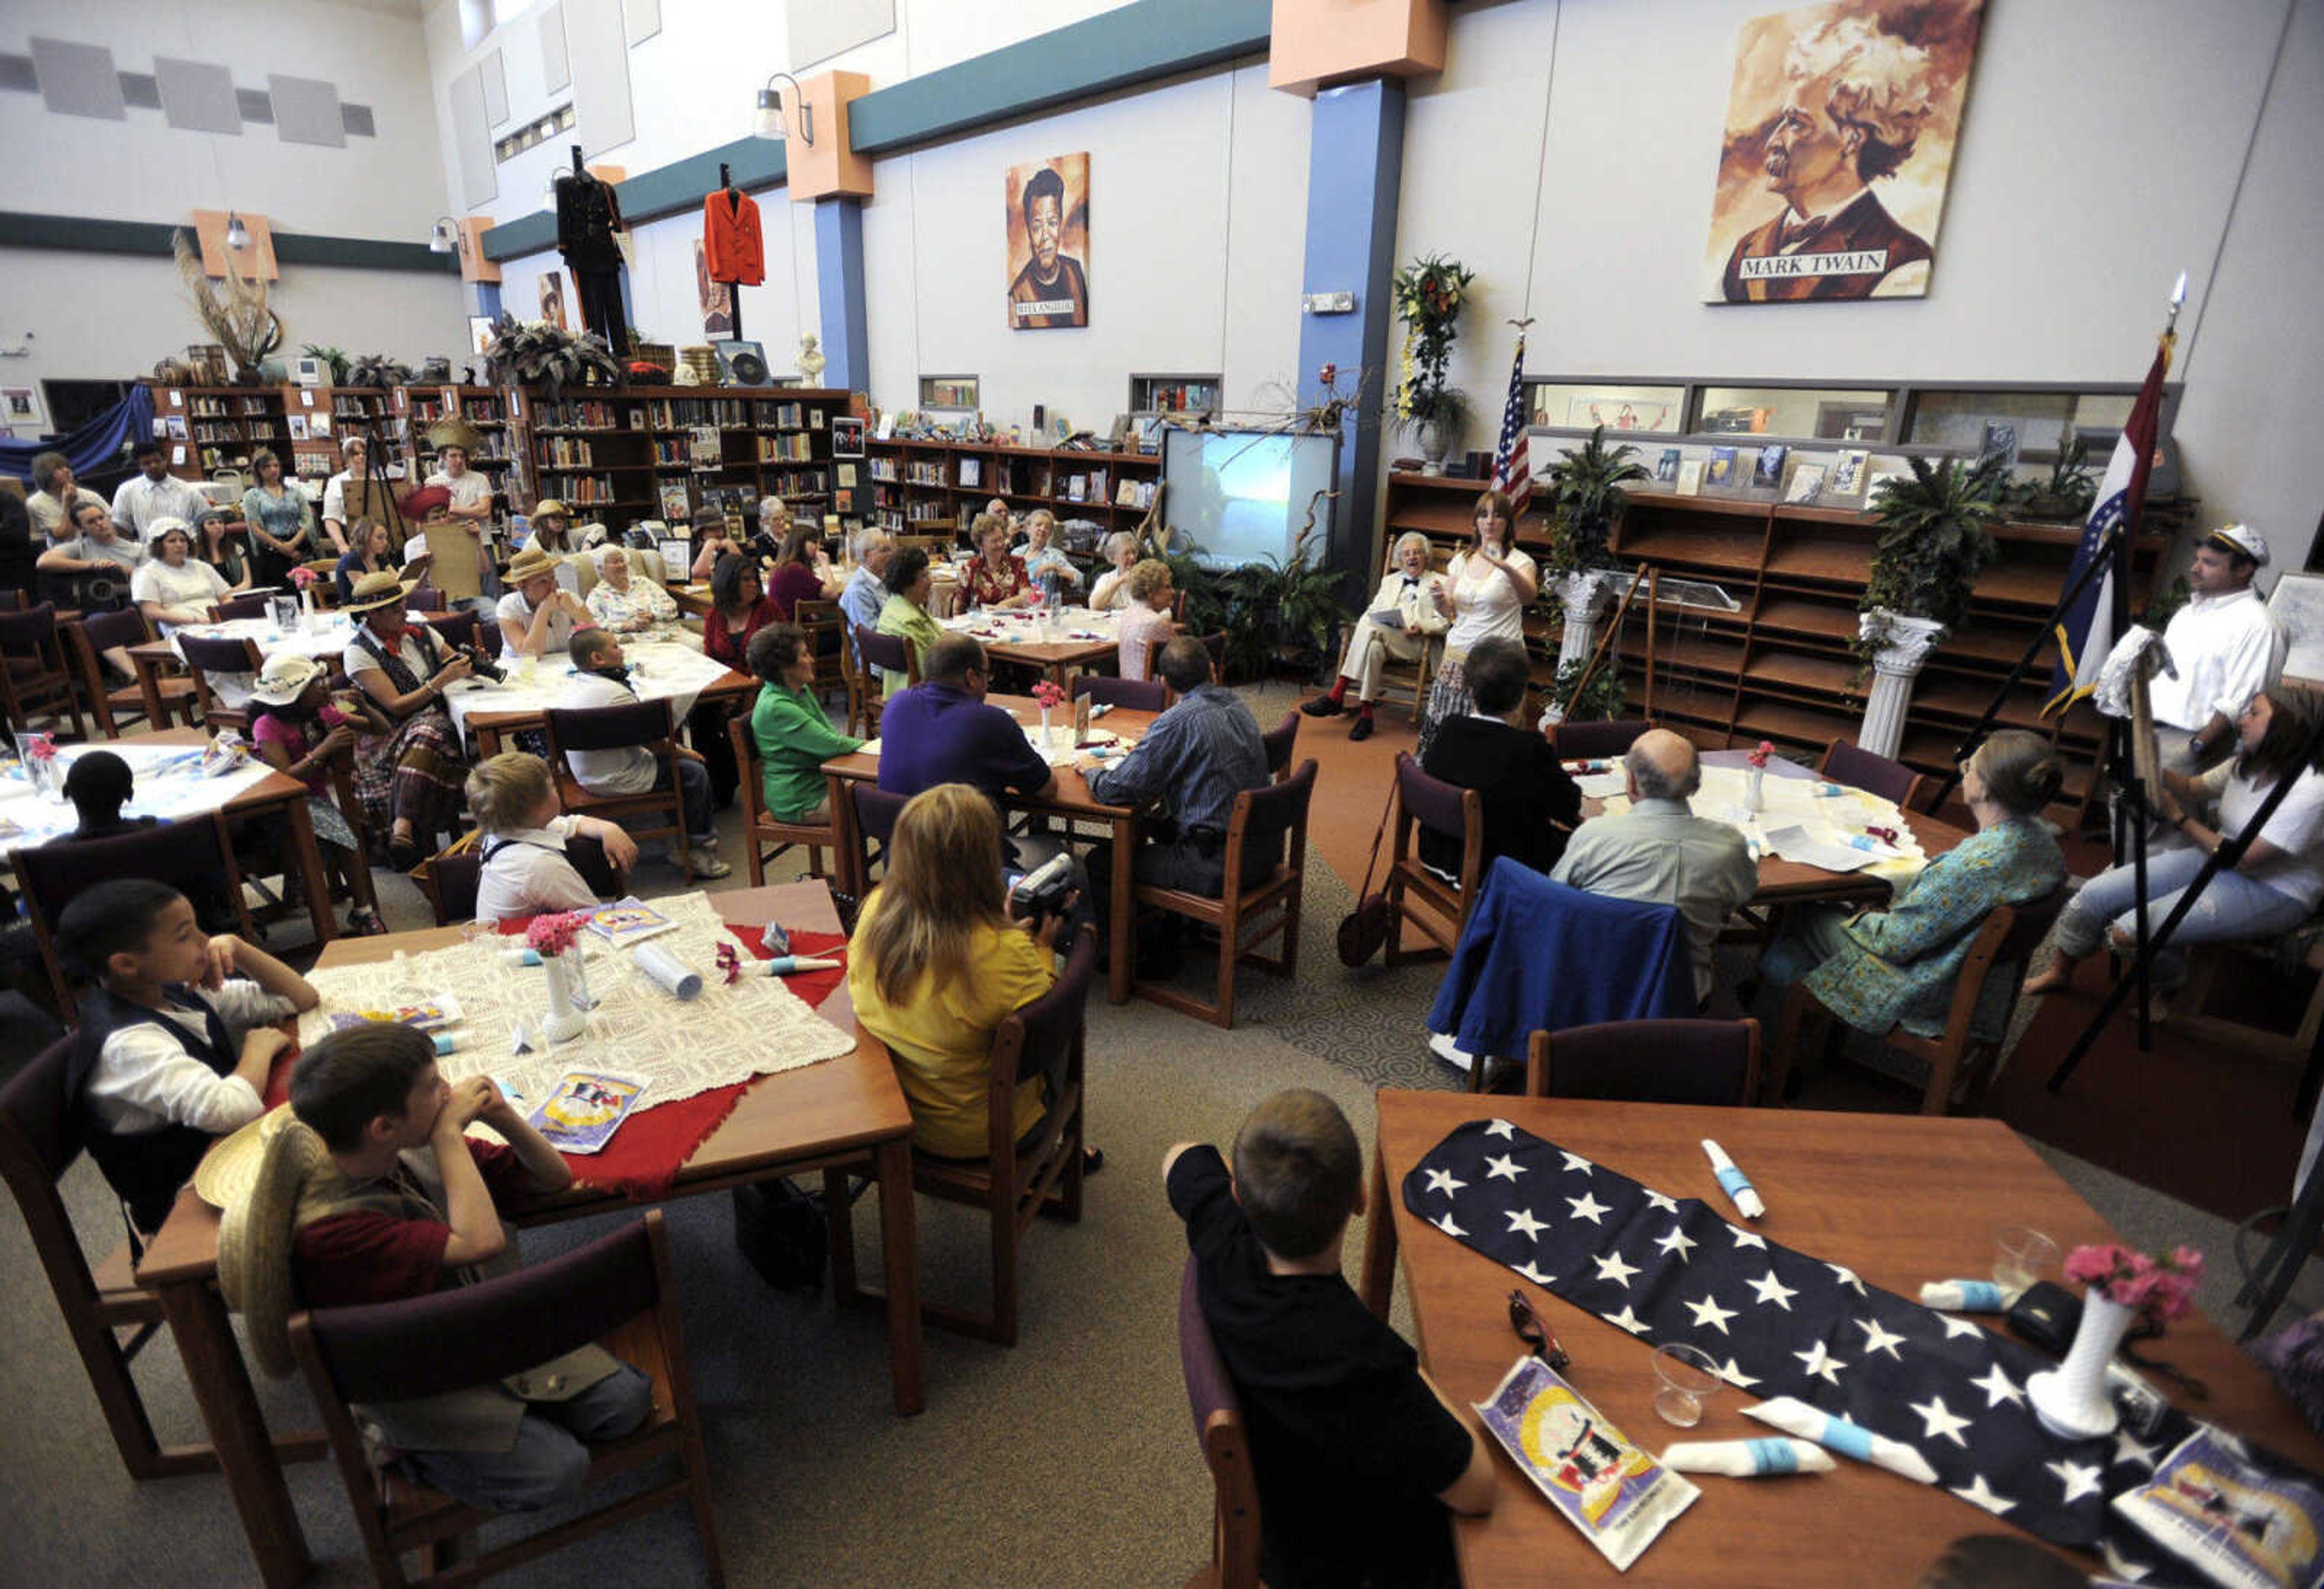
x=1482 y=596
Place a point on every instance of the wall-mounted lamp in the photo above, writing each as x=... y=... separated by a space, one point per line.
x=445 y=237
x=237 y=235
x=767 y=123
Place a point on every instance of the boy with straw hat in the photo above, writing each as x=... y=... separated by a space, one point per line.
x=367 y=1189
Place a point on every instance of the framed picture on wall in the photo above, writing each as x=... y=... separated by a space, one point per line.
x=846 y=436
x=1047 y=223
x=480 y=334
x=19 y=408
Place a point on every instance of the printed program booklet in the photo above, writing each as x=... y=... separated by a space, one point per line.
x=426 y=1015
x=1619 y=1497
x=586 y=1107
x=628 y=921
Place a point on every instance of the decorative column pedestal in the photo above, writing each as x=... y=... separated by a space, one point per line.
x=1586 y=598
x=1905 y=645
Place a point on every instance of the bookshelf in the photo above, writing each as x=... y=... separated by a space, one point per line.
x=220 y=427
x=1443 y=508
x=938 y=487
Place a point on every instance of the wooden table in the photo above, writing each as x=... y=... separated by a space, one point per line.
x=841 y=1114
x=1900 y=1199
x=489 y=728
x=1057 y=658
x=1073 y=800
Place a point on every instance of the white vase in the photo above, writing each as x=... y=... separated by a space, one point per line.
x=1436 y=437
x=2071 y=1399
x=1044 y=728
x=565 y=1022
x=577 y=980
x=1754 y=790
x=306 y=609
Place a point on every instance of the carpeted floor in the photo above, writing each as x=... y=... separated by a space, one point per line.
x=1067 y=1461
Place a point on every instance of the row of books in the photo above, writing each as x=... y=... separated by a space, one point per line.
x=670 y=413
x=579 y=415
x=795 y=448
x=580 y=490
x=564 y=451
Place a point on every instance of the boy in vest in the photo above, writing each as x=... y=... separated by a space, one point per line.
x=1358 y=1457
x=176 y=1039
x=374 y=1193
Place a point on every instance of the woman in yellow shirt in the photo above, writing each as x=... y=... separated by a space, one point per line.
x=937 y=963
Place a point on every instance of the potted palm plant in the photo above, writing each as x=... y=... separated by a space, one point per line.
x=1933 y=543
x=1586 y=502
x=1427 y=294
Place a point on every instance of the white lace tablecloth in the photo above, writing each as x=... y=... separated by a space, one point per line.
x=170 y=784
x=1792 y=798
x=659 y=670
x=1067 y=626
x=725 y=1034
x=330 y=634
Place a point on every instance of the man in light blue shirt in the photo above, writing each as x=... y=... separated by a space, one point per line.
x=866 y=590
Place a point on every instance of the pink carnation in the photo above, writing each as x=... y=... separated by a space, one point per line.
x=40 y=747
x=1764 y=754
x=554 y=933
x=1046 y=695
x=301 y=575
x=2160 y=1288
x=2086 y=1264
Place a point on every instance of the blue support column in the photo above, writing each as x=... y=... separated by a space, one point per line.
x=488 y=300
x=1355 y=165
x=839 y=286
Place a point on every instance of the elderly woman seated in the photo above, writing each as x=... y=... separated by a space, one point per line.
x=2273 y=889
x=623 y=600
x=1883 y=968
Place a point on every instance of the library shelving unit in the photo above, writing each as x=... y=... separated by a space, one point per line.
x=1443 y=507
x=223 y=426
x=937 y=488
x=381 y=412
x=1781 y=667
x=498 y=415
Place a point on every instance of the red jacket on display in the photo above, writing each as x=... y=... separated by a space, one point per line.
x=731 y=244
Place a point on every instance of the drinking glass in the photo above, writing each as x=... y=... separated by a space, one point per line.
x=2020 y=1256
x=1688 y=1378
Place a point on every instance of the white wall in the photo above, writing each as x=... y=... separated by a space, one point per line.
x=102 y=315
x=2098 y=158
x=1197 y=205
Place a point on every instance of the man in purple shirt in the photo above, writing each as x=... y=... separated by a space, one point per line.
x=941 y=731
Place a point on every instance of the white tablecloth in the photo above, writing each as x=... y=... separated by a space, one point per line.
x=659 y=670
x=332 y=633
x=1824 y=814
x=727 y=1035
x=170 y=784
x=1073 y=625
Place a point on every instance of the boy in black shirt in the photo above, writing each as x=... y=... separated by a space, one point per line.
x=1357 y=1455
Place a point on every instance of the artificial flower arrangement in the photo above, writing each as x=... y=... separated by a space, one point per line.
x=1047 y=696
x=2162 y=1289
x=301 y=575
x=554 y=933
x=40 y=746
x=1764 y=754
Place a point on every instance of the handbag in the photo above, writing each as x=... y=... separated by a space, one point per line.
x=1366 y=929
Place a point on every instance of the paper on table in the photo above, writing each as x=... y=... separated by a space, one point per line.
x=1792 y=843
x=1598 y=785
x=870 y=747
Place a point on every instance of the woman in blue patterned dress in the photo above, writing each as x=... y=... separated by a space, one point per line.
x=1885 y=969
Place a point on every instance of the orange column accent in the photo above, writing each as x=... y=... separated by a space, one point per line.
x=1317 y=43
x=255 y=260
x=473 y=265
x=828 y=167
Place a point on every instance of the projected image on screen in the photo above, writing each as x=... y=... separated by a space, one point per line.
x=1241 y=497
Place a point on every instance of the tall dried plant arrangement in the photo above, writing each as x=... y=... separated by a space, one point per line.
x=237 y=316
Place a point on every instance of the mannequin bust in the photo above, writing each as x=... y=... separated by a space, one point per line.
x=811 y=360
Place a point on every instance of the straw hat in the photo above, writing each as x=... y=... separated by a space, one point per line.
x=551 y=508
x=284 y=678
x=374 y=590
x=257 y=1175
x=530 y=563
x=455 y=431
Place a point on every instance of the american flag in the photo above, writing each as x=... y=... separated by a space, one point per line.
x=1512 y=470
x=1781 y=1323
x=2085 y=631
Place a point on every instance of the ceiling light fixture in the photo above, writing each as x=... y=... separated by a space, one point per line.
x=768 y=122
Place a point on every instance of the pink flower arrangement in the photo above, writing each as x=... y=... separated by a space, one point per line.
x=2161 y=1288
x=301 y=575
x=1764 y=754
x=1046 y=695
x=554 y=933
x=40 y=747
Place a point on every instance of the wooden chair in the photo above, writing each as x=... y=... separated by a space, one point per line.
x=1147 y=695
x=1416 y=893
x=108 y=1317
x=619 y=1290
x=863 y=694
x=100 y=632
x=327 y=590
x=427 y=598
x=1408 y=683
x=1591 y=741
x=876 y=651
x=826 y=636
x=1281 y=741
x=459 y=629
x=186 y=854
x=1014 y=1183
x=2287 y=954
x=35 y=685
x=207 y=656
x=1959 y=1061
x=1265 y=820
x=1649 y=1062
x=633 y=725
x=759 y=829
x=1225 y=1440
x=1215 y=644
x=1844 y=763
x=238 y=607
x=875 y=812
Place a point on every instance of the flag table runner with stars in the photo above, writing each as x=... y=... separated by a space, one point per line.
x=1781 y=1323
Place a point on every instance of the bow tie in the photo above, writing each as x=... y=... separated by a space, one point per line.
x=1411 y=582
x=1795 y=232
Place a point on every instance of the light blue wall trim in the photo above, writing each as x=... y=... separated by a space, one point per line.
x=93 y=234
x=756 y=164
x=839 y=284
x=1355 y=165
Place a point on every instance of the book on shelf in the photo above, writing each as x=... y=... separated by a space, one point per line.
x=1806 y=484
x=972 y=473
x=1722 y=467
x=1689 y=482
x=675 y=506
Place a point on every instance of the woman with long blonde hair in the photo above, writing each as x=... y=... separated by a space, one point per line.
x=937 y=963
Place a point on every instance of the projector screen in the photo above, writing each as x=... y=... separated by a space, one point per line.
x=1241 y=496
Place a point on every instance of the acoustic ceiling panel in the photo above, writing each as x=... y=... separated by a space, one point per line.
x=641 y=20
x=77 y=80
x=495 y=89
x=555 y=74
x=821 y=28
x=480 y=182
x=197 y=95
x=306 y=111
x=256 y=106
x=139 y=90
x=599 y=55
